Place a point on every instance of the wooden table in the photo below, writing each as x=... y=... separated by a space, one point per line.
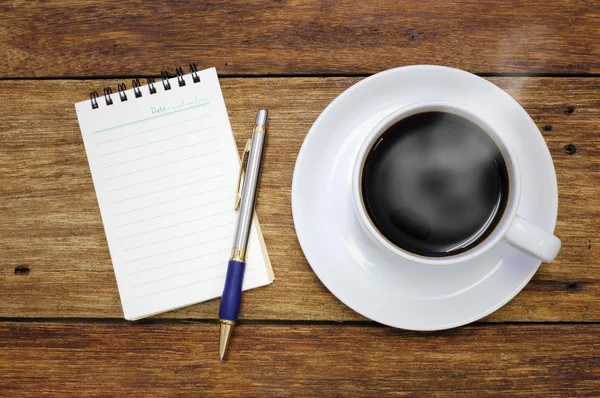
x=61 y=326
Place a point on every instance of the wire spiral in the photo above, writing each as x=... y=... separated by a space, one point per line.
x=107 y=93
x=137 y=86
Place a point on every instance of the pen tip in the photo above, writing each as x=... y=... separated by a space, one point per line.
x=220 y=358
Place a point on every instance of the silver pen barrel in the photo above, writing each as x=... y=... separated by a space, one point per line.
x=248 y=195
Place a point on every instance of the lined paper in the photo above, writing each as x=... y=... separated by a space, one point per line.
x=164 y=168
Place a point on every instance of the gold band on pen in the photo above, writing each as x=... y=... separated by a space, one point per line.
x=259 y=129
x=238 y=254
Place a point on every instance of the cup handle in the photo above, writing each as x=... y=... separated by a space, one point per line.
x=533 y=240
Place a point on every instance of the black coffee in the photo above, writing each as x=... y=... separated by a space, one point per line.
x=435 y=184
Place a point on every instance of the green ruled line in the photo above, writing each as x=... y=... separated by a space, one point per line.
x=149 y=118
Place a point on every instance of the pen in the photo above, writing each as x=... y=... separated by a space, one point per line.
x=244 y=202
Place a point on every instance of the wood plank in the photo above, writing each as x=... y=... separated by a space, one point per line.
x=116 y=38
x=55 y=261
x=149 y=360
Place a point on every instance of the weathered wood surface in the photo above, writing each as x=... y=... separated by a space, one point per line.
x=150 y=360
x=117 y=38
x=54 y=260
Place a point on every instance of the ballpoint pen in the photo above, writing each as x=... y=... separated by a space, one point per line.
x=244 y=202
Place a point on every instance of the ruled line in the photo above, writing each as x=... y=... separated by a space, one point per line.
x=179 y=287
x=180 y=248
x=175 y=225
x=161 y=140
x=174 y=212
x=195 y=100
x=169 y=188
x=154 y=129
x=169 y=201
x=164 y=164
x=151 y=118
x=222 y=263
x=167 y=176
x=180 y=261
x=151 y=155
x=182 y=286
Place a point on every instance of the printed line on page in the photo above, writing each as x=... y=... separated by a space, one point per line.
x=222 y=263
x=176 y=225
x=177 y=106
x=168 y=189
x=174 y=212
x=161 y=140
x=180 y=248
x=167 y=176
x=154 y=129
x=224 y=251
x=187 y=285
x=152 y=154
x=149 y=118
x=164 y=164
x=169 y=201
x=179 y=287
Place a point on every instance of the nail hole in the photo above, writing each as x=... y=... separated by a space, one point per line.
x=21 y=270
x=573 y=286
x=570 y=110
x=547 y=127
x=570 y=149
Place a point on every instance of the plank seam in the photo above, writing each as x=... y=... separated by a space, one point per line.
x=265 y=322
x=298 y=75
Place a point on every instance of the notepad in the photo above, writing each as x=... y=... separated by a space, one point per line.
x=165 y=168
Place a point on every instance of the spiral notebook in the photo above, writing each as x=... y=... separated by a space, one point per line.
x=164 y=164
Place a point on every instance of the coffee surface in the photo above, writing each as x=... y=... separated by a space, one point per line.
x=435 y=184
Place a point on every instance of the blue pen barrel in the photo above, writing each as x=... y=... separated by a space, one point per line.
x=232 y=292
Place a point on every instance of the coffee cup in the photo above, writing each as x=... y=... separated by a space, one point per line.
x=435 y=183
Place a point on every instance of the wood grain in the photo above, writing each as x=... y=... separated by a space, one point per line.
x=54 y=260
x=150 y=360
x=117 y=38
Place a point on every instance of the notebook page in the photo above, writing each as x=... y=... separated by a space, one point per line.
x=165 y=170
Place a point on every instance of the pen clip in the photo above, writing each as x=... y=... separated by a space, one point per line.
x=241 y=175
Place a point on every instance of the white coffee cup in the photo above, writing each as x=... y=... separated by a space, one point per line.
x=513 y=229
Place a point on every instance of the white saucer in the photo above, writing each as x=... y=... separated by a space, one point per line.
x=374 y=282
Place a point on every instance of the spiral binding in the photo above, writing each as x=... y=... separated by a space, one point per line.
x=164 y=75
x=194 y=70
x=136 y=88
x=94 y=99
x=107 y=93
x=121 y=88
x=180 y=80
x=137 y=91
x=151 y=87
